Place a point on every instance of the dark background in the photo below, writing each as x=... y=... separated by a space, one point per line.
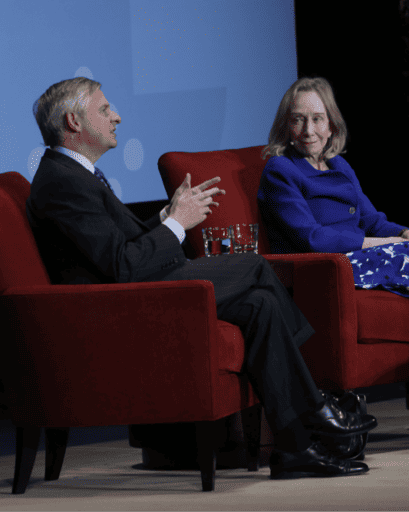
x=359 y=46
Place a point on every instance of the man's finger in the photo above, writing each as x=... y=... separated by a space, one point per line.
x=208 y=183
x=211 y=192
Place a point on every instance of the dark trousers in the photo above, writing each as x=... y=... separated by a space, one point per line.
x=250 y=295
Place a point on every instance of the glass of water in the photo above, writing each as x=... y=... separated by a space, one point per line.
x=238 y=238
x=217 y=241
x=244 y=238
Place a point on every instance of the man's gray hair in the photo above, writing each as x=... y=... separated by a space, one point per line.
x=61 y=98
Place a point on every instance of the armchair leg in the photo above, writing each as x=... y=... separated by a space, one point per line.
x=251 y=420
x=205 y=439
x=56 y=440
x=27 y=439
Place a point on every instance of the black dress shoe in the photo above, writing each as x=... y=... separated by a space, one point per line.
x=314 y=461
x=331 y=420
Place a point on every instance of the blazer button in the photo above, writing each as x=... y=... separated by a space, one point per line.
x=352 y=210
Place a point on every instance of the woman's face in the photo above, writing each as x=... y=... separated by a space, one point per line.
x=309 y=124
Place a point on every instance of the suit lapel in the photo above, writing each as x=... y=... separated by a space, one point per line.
x=87 y=176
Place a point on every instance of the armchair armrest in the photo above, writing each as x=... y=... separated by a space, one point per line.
x=324 y=291
x=98 y=354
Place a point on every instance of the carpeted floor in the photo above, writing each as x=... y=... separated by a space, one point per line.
x=109 y=476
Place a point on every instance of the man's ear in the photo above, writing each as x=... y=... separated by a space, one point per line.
x=73 y=122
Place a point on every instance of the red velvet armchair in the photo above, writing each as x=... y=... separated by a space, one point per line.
x=89 y=355
x=362 y=336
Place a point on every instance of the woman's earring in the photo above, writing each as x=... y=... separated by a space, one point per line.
x=292 y=143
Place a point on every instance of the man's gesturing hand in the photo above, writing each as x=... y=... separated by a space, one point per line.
x=190 y=206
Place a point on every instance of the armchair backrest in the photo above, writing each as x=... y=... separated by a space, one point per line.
x=20 y=260
x=240 y=172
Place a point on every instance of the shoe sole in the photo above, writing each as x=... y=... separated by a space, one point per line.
x=290 y=475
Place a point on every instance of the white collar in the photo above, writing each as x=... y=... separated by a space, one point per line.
x=76 y=156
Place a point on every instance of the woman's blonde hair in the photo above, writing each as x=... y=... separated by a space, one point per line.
x=279 y=137
x=67 y=96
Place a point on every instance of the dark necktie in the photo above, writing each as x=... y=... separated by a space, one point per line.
x=100 y=175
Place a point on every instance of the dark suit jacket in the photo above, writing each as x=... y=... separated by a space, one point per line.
x=86 y=235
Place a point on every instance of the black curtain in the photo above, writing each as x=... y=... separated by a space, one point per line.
x=362 y=48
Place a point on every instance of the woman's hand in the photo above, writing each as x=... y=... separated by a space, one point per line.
x=373 y=242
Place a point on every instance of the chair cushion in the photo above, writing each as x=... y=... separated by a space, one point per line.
x=20 y=261
x=382 y=316
x=240 y=172
x=231 y=347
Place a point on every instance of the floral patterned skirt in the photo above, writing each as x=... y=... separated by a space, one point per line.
x=384 y=267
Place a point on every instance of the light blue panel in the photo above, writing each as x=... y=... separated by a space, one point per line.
x=215 y=71
x=181 y=45
x=246 y=47
x=44 y=42
x=228 y=64
x=176 y=121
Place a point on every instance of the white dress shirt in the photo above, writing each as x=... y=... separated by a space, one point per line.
x=172 y=224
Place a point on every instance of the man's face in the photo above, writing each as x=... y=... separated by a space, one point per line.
x=98 y=124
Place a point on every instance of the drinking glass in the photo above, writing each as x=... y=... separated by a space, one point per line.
x=244 y=238
x=217 y=241
x=238 y=238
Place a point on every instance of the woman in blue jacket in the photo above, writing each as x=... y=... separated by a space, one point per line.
x=311 y=199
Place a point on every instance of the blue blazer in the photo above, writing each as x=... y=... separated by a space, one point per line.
x=306 y=210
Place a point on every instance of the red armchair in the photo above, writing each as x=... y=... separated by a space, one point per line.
x=89 y=355
x=362 y=337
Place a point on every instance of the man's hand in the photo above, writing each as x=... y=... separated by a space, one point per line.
x=190 y=206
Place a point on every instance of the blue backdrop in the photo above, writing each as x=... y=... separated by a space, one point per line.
x=184 y=75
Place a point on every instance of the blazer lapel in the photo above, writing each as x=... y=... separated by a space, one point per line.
x=87 y=175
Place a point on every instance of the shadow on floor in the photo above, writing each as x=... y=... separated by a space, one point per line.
x=89 y=435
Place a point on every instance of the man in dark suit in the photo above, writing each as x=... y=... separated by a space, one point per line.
x=86 y=235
